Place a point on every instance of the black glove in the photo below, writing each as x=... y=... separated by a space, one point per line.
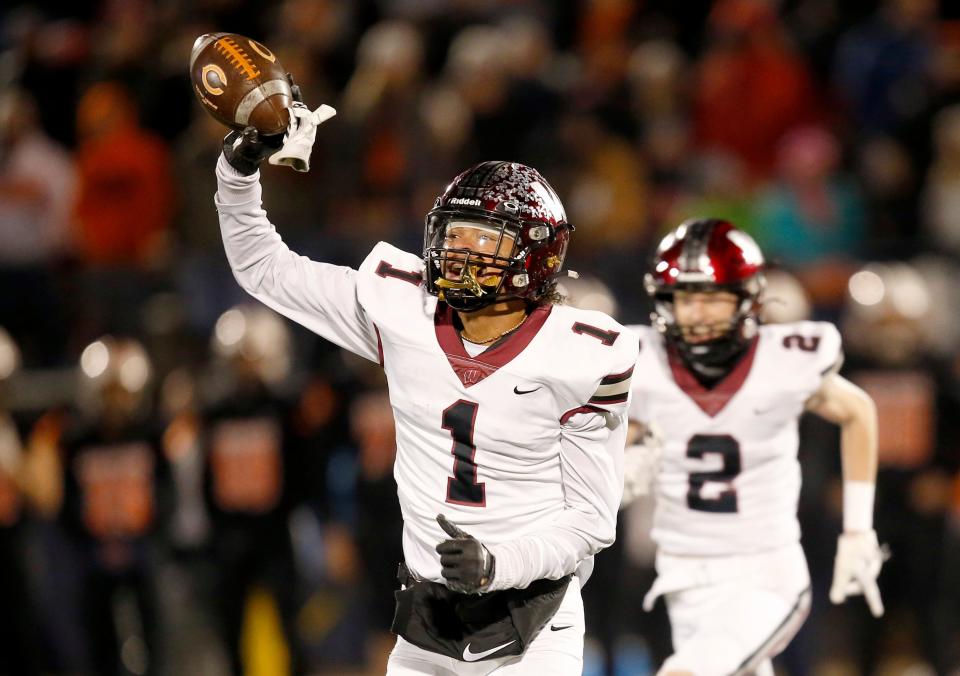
x=468 y=566
x=247 y=149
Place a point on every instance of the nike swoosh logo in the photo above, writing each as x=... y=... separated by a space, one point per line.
x=554 y=627
x=473 y=657
x=763 y=411
x=517 y=390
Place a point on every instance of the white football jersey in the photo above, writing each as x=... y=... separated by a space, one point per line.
x=521 y=445
x=729 y=479
x=478 y=439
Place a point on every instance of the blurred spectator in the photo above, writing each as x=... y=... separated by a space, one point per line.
x=205 y=288
x=123 y=210
x=889 y=183
x=717 y=185
x=658 y=76
x=379 y=522
x=607 y=187
x=476 y=70
x=884 y=66
x=382 y=97
x=812 y=218
x=37 y=184
x=126 y=196
x=941 y=198
x=752 y=88
x=603 y=49
x=48 y=56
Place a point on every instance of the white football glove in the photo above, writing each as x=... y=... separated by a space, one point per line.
x=855 y=570
x=300 y=135
x=641 y=463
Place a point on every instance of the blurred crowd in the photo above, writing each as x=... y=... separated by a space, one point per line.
x=189 y=484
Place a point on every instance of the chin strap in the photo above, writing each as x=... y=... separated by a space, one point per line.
x=710 y=370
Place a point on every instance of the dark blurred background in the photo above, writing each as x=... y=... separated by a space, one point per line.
x=190 y=485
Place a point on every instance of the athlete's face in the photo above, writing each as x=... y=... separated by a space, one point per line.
x=487 y=241
x=704 y=316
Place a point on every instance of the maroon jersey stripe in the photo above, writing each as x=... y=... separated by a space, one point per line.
x=617 y=377
x=714 y=400
x=579 y=409
x=471 y=370
x=609 y=399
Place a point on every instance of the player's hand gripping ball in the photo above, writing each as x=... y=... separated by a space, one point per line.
x=241 y=83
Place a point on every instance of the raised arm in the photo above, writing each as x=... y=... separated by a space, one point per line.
x=320 y=296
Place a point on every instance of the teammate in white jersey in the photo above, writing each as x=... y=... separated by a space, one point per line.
x=724 y=395
x=510 y=410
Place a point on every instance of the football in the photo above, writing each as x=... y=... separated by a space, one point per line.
x=240 y=82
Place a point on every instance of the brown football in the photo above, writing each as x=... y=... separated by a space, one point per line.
x=240 y=82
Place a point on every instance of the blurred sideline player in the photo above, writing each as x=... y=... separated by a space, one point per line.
x=510 y=411
x=725 y=395
x=252 y=480
x=114 y=503
x=29 y=486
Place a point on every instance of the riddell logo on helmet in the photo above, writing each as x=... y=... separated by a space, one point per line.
x=467 y=201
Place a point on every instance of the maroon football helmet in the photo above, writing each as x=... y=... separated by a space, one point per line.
x=703 y=255
x=513 y=200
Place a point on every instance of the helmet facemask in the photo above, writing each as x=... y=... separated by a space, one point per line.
x=473 y=261
x=729 y=337
x=529 y=234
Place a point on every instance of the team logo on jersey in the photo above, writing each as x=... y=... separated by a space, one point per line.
x=469 y=371
x=471 y=376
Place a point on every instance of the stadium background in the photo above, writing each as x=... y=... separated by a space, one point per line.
x=829 y=130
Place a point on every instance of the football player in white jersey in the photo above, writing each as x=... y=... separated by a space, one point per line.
x=724 y=395
x=510 y=410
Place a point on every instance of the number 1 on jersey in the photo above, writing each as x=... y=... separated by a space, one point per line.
x=462 y=487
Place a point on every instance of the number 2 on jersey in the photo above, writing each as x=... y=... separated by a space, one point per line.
x=701 y=445
x=462 y=487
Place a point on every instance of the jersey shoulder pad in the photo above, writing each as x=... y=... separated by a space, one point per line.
x=387 y=262
x=606 y=352
x=594 y=333
x=816 y=343
x=391 y=290
x=389 y=281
